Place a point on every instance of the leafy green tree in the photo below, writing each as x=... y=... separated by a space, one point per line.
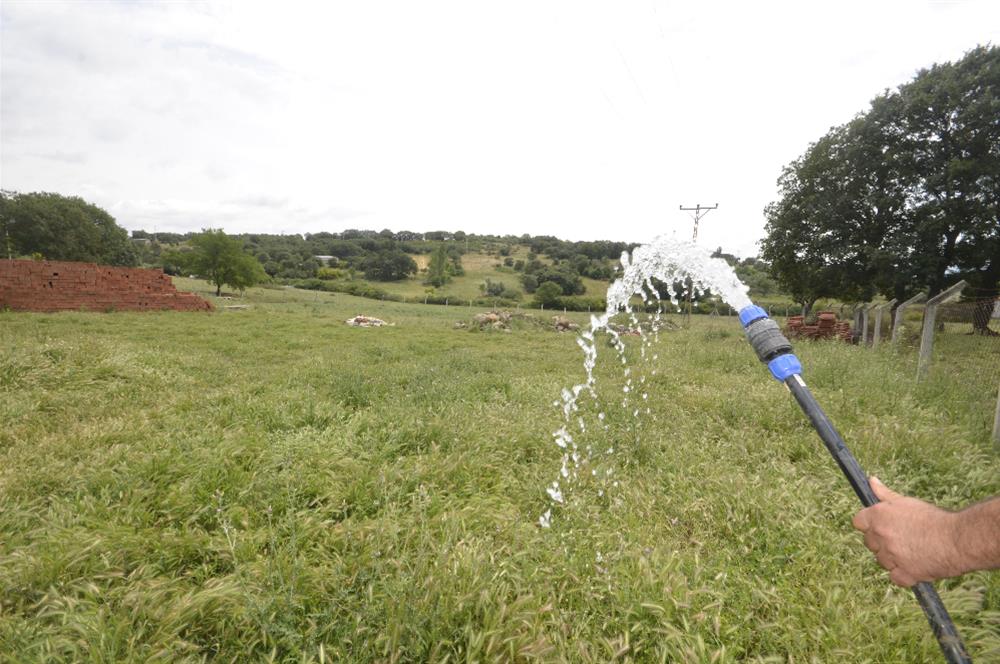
x=568 y=280
x=548 y=293
x=220 y=259
x=529 y=283
x=438 y=273
x=905 y=197
x=390 y=265
x=62 y=228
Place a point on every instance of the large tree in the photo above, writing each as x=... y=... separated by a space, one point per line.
x=221 y=260
x=904 y=197
x=389 y=265
x=63 y=228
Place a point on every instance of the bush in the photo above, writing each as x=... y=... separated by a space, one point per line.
x=547 y=294
x=591 y=304
x=357 y=288
x=330 y=273
x=492 y=288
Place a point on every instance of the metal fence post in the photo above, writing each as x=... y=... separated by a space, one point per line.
x=930 y=314
x=879 y=310
x=897 y=324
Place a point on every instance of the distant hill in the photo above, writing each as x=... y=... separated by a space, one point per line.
x=442 y=266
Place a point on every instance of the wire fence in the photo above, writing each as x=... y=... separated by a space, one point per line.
x=954 y=344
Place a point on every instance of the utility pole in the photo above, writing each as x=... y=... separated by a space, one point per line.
x=699 y=212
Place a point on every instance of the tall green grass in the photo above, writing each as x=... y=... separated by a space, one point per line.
x=273 y=485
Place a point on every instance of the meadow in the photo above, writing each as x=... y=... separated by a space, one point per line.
x=270 y=484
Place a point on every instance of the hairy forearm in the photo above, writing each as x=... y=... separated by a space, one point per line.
x=977 y=536
x=916 y=541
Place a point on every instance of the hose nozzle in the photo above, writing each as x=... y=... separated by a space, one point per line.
x=771 y=346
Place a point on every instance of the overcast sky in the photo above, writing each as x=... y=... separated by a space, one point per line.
x=574 y=119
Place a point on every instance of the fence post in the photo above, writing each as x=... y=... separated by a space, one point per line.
x=856 y=323
x=930 y=314
x=879 y=310
x=897 y=323
x=865 y=308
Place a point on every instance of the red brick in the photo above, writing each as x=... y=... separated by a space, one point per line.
x=60 y=286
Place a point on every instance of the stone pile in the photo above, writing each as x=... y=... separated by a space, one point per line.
x=563 y=324
x=365 y=321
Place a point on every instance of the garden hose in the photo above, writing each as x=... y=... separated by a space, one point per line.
x=775 y=350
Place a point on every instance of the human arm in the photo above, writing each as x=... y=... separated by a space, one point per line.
x=917 y=541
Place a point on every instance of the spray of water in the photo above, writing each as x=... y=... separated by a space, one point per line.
x=664 y=261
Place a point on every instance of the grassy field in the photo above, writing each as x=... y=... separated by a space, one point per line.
x=270 y=484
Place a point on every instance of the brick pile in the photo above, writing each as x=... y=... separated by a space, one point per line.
x=63 y=286
x=827 y=327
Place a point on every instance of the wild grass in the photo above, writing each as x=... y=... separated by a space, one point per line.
x=272 y=485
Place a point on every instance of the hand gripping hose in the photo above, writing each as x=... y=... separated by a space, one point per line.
x=775 y=350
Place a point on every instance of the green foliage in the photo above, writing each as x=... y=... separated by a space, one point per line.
x=529 y=282
x=492 y=288
x=904 y=197
x=221 y=260
x=330 y=273
x=577 y=303
x=568 y=280
x=547 y=294
x=390 y=265
x=438 y=273
x=358 y=288
x=62 y=228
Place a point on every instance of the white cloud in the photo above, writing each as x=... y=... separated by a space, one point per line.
x=576 y=119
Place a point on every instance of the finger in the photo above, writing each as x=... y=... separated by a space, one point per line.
x=885 y=559
x=901 y=578
x=883 y=492
x=862 y=520
x=872 y=542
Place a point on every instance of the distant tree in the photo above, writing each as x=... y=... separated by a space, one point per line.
x=390 y=265
x=220 y=259
x=564 y=275
x=529 y=283
x=438 y=272
x=62 y=228
x=548 y=293
x=455 y=261
x=492 y=288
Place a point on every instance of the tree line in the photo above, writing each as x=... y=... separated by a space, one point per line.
x=904 y=197
x=51 y=226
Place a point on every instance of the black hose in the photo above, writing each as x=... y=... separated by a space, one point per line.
x=937 y=615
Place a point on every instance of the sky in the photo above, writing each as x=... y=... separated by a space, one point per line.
x=582 y=120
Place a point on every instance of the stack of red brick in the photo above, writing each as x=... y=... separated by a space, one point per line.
x=63 y=286
x=827 y=327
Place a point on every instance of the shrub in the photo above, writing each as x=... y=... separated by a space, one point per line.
x=547 y=294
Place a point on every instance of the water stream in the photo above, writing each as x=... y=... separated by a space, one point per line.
x=663 y=262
